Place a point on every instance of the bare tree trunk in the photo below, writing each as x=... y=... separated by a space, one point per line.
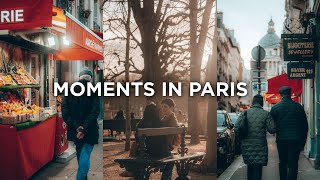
x=194 y=74
x=197 y=43
x=146 y=20
x=210 y=160
x=127 y=65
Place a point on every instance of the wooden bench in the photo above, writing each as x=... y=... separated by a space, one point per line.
x=142 y=166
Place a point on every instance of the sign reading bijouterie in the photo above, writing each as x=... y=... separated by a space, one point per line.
x=300 y=50
x=300 y=70
x=25 y=14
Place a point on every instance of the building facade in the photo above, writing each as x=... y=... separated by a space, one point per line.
x=230 y=64
x=302 y=17
x=89 y=13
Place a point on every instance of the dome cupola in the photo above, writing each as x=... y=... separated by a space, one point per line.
x=271 y=39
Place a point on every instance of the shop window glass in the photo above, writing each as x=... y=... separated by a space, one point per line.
x=64 y=4
x=82 y=13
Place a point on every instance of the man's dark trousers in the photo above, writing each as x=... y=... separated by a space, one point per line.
x=289 y=152
x=254 y=172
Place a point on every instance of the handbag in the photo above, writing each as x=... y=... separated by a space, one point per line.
x=243 y=128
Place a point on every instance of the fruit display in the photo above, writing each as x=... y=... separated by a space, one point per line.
x=19 y=79
x=59 y=102
x=13 y=110
x=7 y=78
x=2 y=83
x=26 y=76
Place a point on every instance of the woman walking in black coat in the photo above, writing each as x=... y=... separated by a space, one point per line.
x=254 y=146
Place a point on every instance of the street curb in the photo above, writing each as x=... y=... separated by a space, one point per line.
x=228 y=173
x=310 y=160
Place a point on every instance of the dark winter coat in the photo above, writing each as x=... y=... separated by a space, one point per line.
x=82 y=111
x=291 y=121
x=169 y=121
x=156 y=145
x=255 y=147
x=159 y=146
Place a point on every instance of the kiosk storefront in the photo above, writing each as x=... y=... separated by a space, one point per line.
x=29 y=40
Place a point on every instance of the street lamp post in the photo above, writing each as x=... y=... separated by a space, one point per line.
x=258 y=53
x=259 y=68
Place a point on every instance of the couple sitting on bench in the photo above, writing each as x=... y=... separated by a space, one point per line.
x=157 y=147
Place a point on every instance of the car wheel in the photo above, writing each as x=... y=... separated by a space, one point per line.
x=223 y=157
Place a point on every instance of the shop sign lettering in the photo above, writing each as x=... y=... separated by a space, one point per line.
x=300 y=50
x=25 y=14
x=93 y=45
x=11 y=16
x=299 y=70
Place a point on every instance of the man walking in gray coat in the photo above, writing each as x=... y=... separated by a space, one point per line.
x=292 y=129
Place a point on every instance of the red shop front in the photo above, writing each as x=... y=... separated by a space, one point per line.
x=24 y=149
x=27 y=135
x=274 y=84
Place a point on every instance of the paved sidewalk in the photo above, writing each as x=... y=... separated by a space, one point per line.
x=54 y=170
x=270 y=172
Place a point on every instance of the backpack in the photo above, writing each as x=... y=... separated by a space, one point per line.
x=243 y=128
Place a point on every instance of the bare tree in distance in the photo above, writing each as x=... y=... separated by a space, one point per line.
x=127 y=66
x=160 y=34
x=168 y=41
x=122 y=29
x=210 y=159
x=198 y=40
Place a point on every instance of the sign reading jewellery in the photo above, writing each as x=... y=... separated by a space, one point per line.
x=300 y=48
x=300 y=70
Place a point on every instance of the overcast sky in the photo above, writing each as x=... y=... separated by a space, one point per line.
x=249 y=19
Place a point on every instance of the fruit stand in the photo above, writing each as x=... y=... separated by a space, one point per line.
x=27 y=130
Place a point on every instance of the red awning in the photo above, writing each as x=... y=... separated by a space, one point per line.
x=100 y=34
x=282 y=80
x=85 y=44
x=30 y=14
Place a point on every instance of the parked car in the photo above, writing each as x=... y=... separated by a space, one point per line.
x=225 y=139
x=234 y=119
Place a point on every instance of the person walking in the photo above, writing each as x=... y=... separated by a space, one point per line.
x=119 y=115
x=254 y=146
x=80 y=114
x=291 y=131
